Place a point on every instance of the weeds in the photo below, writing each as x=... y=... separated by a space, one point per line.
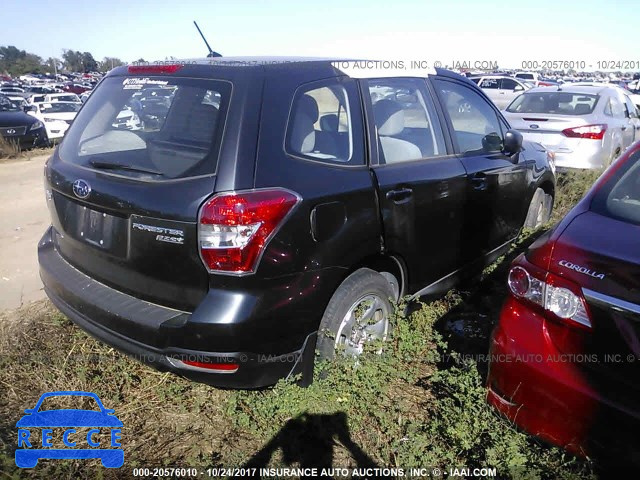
x=420 y=403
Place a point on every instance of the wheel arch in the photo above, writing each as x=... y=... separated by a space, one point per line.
x=390 y=264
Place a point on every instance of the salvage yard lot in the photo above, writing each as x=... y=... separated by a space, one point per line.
x=414 y=406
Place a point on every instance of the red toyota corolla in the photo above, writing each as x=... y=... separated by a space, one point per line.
x=565 y=356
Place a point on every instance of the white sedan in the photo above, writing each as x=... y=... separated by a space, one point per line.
x=57 y=116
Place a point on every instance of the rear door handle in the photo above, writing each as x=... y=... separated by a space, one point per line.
x=400 y=195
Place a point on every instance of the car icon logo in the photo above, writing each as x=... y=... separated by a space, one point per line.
x=81 y=188
x=49 y=424
x=11 y=131
x=534 y=126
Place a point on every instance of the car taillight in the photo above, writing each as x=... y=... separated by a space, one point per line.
x=153 y=68
x=592 y=132
x=555 y=295
x=234 y=228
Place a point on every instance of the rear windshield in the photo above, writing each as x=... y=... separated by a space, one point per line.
x=619 y=197
x=150 y=127
x=563 y=103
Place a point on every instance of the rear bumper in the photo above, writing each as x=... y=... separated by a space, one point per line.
x=121 y=320
x=587 y=154
x=574 y=153
x=549 y=395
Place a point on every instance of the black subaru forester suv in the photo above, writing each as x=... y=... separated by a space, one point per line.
x=226 y=219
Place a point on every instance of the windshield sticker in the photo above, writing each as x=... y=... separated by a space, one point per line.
x=138 y=83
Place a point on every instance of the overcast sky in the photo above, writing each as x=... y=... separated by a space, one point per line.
x=446 y=31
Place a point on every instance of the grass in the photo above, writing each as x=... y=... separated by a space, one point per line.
x=419 y=404
x=11 y=151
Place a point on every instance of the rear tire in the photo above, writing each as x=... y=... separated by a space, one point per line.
x=539 y=210
x=358 y=312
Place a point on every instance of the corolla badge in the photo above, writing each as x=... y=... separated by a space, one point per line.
x=581 y=269
x=81 y=188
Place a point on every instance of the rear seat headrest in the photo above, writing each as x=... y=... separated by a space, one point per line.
x=308 y=106
x=389 y=117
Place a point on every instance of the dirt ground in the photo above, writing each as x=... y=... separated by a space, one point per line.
x=25 y=217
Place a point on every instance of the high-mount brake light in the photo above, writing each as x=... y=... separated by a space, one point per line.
x=235 y=228
x=151 y=69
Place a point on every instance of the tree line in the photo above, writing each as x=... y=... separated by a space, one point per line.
x=14 y=62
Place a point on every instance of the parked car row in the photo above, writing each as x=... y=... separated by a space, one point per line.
x=584 y=124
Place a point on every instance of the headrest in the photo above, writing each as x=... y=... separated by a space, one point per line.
x=582 y=109
x=303 y=135
x=308 y=106
x=389 y=117
x=329 y=123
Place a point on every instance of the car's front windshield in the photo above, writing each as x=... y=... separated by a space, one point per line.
x=7 y=105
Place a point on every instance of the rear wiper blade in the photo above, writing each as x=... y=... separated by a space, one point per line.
x=120 y=166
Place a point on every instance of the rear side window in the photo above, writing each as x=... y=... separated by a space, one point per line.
x=320 y=124
x=489 y=83
x=508 y=84
x=619 y=197
x=161 y=128
x=615 y=108
x=562 y=103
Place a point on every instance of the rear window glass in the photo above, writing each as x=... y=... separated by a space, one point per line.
x=619 y=197
x=320 y=124
x=155 y=127
x=563 y=103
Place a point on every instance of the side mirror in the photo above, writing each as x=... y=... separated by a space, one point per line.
x=512 y=142
x=29 y=108
x=519 y=88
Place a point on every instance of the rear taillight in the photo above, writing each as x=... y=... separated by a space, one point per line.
x=592 y=132
x=555 y=295
x=234 y=228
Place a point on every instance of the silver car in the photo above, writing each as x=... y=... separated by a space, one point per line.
x=501 y=89
x=585 y=126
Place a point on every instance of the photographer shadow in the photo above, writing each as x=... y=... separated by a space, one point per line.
x=308 y=441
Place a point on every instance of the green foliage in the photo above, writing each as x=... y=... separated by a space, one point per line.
x=75 y=61
x=18 y=62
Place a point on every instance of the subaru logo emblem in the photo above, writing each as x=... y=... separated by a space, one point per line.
x=81 y=189
x=11 y=131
